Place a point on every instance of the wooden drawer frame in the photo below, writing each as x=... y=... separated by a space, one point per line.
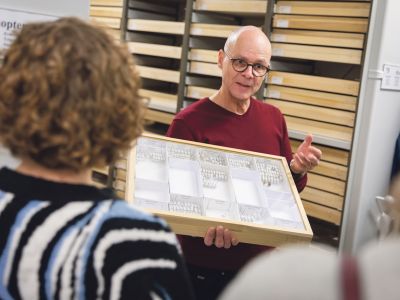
x=246 y=232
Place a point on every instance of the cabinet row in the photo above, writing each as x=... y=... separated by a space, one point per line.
x=317 y=49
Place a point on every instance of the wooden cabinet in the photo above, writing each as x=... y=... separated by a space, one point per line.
x=108 y=13
x=317 y=48
x=328 y=38
x=154 y=34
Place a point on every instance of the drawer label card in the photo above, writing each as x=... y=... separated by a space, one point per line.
x=277 y=51
x=271 y=93
x=282 y=23
x=284 y=9
x=278 y=37
x=277 y=79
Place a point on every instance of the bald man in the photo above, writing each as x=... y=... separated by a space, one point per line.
x=232 y=117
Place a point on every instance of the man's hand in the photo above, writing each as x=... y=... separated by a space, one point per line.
x=306 y=157
x=220 y=237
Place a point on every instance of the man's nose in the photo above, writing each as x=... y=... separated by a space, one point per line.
x=248 y=73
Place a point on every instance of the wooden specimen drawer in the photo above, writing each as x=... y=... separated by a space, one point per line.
x=195 y=186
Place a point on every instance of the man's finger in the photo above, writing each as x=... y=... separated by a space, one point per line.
x=227 y=239
x=219 y=237
x=314 y=161
x=317 y=152
x=234 y=241
x=210 y=236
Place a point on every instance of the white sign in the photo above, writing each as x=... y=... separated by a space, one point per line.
x=284 y=9
x=282 y=23
x=391 y=77
x=11 y=21
x=277 y=80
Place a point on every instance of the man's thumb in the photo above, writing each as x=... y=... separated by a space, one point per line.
x=308 y=140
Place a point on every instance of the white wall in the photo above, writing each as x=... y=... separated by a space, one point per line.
x=79 y=8
x=6 y=160
x=376 y=130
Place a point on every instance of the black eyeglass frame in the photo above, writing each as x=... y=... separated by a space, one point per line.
x=267 y=68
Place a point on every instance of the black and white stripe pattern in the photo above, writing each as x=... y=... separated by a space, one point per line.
x=62 y=241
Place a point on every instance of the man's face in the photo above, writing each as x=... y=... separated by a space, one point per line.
x=241 y=85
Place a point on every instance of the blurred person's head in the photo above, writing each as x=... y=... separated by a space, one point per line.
x=68 y=96
x=395 y=211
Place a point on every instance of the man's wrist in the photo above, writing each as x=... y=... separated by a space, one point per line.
x=295 y=174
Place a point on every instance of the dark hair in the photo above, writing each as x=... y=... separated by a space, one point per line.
x=68 y=96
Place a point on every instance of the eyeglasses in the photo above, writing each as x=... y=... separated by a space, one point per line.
x=240 y=65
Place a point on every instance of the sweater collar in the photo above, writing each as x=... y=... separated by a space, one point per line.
x=215 y=105
x=29 y=187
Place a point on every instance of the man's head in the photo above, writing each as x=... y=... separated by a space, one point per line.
x=247 y=45
x=68 y=96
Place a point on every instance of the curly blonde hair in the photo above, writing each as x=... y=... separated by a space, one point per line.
x=68 y=96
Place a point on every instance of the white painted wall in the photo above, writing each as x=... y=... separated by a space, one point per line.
x=78 y=8
x=376 y=129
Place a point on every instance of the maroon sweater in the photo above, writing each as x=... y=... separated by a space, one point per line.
x=261 y=129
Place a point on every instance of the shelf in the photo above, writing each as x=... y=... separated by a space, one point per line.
x=107 y=2
x=166 y=27
x=158 y=74
x=114 y=23
x=358 y=25
x=162 y=7
x=155 y=50
x=205 y=69
x=341 y=86
x=331 y=185
x=330 y=100
x=320 y=8
x=158 y=116
x=120 y=174
x=104 y=170
x=339 y=55
x=197 y=92
x=121 y=163
x=335 y=39
x=97 y=184
x=115 y=33
x=315 y=113
x=161 y=101
x=331 y=170
x=322 y=198
x=119 y=185
x=322 y=212
x=232 y=7
x=211 y=30
x=340 y=134
x=104 y=11
x=203 y=55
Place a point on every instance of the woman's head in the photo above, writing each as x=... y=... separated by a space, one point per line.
x=68 y=96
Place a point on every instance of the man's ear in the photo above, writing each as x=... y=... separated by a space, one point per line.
x=221 y=56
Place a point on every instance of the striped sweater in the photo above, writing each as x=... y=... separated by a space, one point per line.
x=67 y=241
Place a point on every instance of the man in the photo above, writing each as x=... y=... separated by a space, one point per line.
x=69 y=102
x=233 y=118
